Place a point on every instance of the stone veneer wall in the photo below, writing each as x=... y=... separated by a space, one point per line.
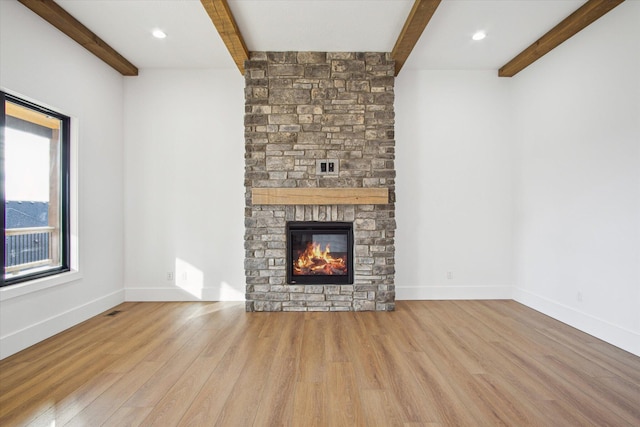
x=303 y=106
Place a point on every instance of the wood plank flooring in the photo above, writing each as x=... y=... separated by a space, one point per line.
x=429 y=363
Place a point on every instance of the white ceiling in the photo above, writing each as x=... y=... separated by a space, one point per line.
x=320 y=25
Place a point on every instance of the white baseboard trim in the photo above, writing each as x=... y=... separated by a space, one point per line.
x=402 y=292
x=33 y=334
x=615 y=335
x=453 y=292
x=143 y=294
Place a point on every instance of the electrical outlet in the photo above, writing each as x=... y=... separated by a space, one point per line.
x=449 y=275
x=330 y=167
x=169 y=275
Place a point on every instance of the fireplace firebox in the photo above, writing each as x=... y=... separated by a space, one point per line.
x=319 y=253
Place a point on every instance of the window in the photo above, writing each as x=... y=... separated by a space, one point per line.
x=35 y=150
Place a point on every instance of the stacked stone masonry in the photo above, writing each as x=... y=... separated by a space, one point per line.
x=304 y=106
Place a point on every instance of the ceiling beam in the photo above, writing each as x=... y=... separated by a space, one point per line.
x=222 y=18
x=574 y=23
x=417 y=21
x=51 y=12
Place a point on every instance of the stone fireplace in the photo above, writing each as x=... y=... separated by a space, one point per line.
x=320 y=149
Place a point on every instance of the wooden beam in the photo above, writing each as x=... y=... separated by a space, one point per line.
x=417 y=21
x=320 y=196
x=51 y=12
x=574 y=23
x=224 y=22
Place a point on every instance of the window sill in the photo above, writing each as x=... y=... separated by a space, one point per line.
x=20 y=289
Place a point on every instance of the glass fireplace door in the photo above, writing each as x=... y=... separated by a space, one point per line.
x=319 y=253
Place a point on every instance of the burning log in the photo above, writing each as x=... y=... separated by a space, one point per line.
x=314 y=261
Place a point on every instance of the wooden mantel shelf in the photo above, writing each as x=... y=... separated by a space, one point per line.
x=320 y=196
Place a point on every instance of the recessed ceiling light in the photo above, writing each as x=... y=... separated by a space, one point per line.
x=479 y=35
x=159 y=34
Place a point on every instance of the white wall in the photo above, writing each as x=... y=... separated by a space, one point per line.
x=40 y=63
x=578 y=210
x=454 y=155
x=184 y=209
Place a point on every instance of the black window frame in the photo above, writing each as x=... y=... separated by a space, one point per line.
x=65 y=190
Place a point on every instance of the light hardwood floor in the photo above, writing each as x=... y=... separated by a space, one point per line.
x=437 y=363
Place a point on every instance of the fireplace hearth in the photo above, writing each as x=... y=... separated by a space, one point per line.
x=319 y=253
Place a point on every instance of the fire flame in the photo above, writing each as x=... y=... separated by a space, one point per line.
x=315 y=261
